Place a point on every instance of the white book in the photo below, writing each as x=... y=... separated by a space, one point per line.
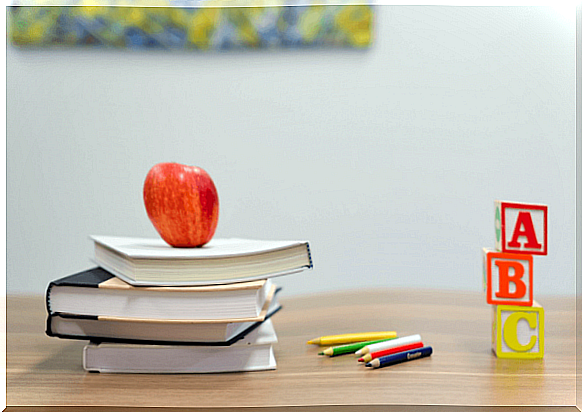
x=142 y=261
x=97 y=293
x=252 y=353
x=151 y=332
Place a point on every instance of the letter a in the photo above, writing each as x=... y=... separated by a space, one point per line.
x=524 y=220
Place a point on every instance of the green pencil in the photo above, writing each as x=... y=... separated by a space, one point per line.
x=351 y=348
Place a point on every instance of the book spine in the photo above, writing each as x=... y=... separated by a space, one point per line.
x=309 y=255
x=100 y=339
x=48 y=297
x=49 y=330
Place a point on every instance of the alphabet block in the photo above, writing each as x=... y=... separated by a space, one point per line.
x=509 y=278
x=518 y=332
x=521 y=228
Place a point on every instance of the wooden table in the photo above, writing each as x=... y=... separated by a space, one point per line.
x=47 y=372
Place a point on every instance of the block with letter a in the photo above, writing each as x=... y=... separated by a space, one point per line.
x=518 y=332
x=521 y=228
x=509 y=278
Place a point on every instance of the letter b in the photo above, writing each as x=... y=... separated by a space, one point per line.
x=505 y=280
x=509 y=278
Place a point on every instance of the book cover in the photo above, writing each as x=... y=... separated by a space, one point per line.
x=97 y=330
x=253 y=352
x=96 y=292
x=145 y=262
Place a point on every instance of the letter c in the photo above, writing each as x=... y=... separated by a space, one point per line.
x=510 y=330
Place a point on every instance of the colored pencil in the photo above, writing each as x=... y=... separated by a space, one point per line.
x=351 y=338
x=378 y=354
x=400 y=357
x=389 y=344
x=350 y=348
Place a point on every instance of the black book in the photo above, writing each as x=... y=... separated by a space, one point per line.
x=96 y=305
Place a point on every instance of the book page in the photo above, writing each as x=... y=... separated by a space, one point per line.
x=158 y=249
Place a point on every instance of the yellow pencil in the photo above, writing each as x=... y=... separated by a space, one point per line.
x=351 y=338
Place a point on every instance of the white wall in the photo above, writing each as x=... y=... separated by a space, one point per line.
x=388 y=160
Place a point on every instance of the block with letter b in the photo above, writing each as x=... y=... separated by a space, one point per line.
x=521 y=228
x=518 y=332
x=509 y=278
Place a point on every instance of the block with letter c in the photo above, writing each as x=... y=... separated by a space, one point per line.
x=518 y=332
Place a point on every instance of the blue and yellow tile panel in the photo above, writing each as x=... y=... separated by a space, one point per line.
x=192 y=28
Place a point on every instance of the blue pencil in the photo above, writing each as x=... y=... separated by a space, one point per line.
x=400 y=357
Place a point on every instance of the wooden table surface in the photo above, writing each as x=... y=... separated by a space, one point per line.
x=47 y=371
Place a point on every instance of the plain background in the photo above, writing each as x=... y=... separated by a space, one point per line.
x=387 y=160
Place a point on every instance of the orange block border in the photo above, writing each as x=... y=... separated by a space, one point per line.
x=509 y=256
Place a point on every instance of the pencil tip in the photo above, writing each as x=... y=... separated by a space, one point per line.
x=321 y=353
x=361 y=360
x=368 y=365
x=309 y=342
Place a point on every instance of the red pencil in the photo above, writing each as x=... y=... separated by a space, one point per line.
x=369 y=356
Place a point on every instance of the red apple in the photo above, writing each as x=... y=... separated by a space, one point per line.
x=182 y=203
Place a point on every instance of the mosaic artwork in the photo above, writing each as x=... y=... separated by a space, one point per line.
x=191 y=28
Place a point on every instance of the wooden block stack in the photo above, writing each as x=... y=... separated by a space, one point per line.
x=521 y=231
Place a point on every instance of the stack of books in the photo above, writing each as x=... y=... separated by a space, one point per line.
x=152 y=308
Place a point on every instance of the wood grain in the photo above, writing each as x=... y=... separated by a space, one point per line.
x=45 y=371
